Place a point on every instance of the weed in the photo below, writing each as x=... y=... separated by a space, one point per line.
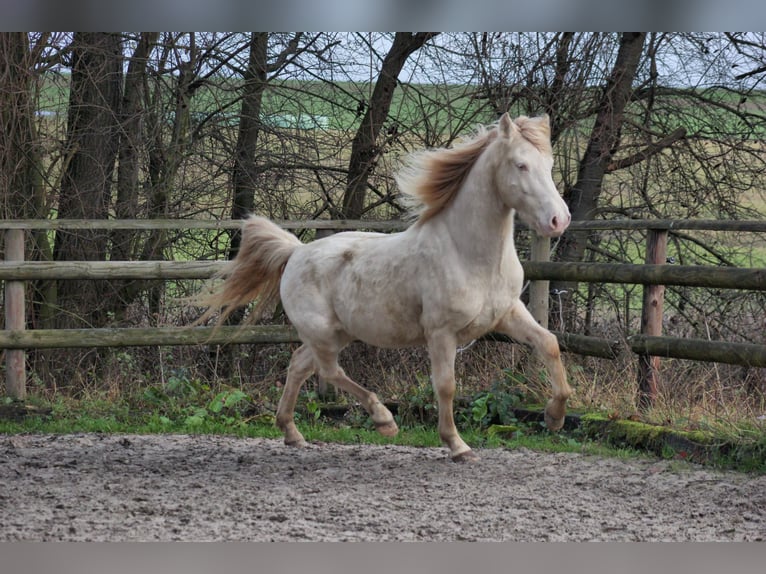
x=226 y=399
x=420 y=405
x=495 y=405
x=188 y=404
x=313 y=408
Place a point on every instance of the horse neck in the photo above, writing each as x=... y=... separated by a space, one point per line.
x=480 y=225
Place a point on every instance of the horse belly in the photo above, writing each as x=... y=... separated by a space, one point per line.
x=350 y=283
x=380 y=318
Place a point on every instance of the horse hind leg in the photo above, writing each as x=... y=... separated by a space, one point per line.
x=301 y=368
x=331 y=371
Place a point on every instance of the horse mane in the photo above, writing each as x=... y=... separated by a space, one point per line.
x=536 y=132
x=431 y=178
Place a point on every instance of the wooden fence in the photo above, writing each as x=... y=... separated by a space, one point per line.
x=649 y=345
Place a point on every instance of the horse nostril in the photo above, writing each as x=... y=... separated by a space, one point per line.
x=560 y=222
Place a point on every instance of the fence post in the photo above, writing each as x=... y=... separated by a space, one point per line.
x=539 y=290
x=15 y=360
x=651 y=319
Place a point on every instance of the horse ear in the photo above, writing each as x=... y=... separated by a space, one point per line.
x=545 y=119
x=506 y=125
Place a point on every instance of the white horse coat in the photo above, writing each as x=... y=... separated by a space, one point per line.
x=451 y=277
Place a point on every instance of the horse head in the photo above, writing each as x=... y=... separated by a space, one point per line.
x=523 y=177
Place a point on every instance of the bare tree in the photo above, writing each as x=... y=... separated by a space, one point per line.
x=256 y=76
x=131 y=148
x=299 y=125
x=603 y=143
x=364 y=148
x=26 y=61
x=245 y=165
x=92 y=139
x=19 y=150
x=125 y=244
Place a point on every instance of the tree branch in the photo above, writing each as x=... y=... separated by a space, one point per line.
x=647 y=152
x=755 y=72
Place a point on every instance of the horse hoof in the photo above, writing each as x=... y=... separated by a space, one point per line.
x=553 y=424
x=465 y=457
x=387 y=429
x=297 y=443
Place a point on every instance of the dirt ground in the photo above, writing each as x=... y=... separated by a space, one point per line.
x=124 y=488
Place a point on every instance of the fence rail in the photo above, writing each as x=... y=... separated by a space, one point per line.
x=669 y=347
x=649 y=345
x=751 y=279
x=744 y=225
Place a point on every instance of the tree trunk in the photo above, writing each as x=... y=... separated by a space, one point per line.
x=563 y=64
x=132 y=115
x=131 y=143
x=165 y=159
x=19 y=147
x=604 y=140
x=92 y=137
x=21 y=189
x=245 y=168
x=21 y=185
x=19 y=177
x=364 y=151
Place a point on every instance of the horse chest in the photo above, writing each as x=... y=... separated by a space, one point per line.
x=492 y=310
x=493 y=297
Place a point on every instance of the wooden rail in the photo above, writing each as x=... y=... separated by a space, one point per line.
x=745 y=225
x=649 y=345
x=670 y=347
x=146 y=336
x=35 y=270
x=751 y=279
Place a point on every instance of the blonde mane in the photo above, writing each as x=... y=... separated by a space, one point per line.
x=431 y=178
x=536 y=132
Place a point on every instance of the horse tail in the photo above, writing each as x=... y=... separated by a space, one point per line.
x=255 y=272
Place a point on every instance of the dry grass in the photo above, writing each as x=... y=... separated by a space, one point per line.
x=692 y=395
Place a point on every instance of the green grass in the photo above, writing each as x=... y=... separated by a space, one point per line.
x=304 y=104
x=487 y=419
x=184 y=407
x=81 y=422
x=450 y=108
x=188 y=406
x=639 y=440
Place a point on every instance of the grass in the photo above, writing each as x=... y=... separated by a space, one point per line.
x=83 y=421
x=486 y=419
x=337 y=102
x=186 y=405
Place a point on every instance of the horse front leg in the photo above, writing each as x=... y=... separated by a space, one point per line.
x=522 y=327
x=442 y=349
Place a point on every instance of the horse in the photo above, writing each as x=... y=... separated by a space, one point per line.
x=450 y=277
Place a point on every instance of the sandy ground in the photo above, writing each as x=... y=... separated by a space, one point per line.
x=123 y=488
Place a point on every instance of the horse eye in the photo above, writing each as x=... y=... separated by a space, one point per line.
x=522 y=166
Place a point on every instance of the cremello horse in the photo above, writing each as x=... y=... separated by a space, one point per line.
x=451 y=277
